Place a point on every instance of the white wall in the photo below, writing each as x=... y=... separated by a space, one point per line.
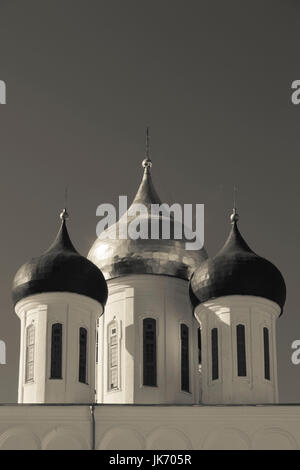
x=225 y=313
x=73 y=311
x=131 y=299
x=120 y=427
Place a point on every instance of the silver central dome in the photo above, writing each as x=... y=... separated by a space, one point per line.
x=119 y=257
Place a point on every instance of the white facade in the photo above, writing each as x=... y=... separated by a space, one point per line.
x=225 y=314
x=131 y=300
x=145 y=351
x=37 y=314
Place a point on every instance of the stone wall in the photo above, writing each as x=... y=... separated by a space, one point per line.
x=121 y=427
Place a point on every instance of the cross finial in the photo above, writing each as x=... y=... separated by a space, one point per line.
x=234 y=196
x=234 y=216
x=66 y=196
x=64 y=214
x=147 y=142
x=147 y=163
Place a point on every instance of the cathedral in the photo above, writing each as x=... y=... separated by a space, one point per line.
x=147 y=345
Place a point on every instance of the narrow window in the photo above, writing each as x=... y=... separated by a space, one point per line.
x=30 y=340
x=185 y=378
x=199 y=347
x=97 y=340
x=241 y=350
x=56 y=351
x=214 y=354
x=267 y=354
x=113 y=356
x=82 y=355
x=97 y=346
x=149 y=352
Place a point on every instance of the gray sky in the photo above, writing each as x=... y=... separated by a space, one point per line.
x=211 y=78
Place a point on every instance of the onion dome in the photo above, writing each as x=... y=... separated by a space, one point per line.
x=237 y=270
x=60 y=269
x=117 y=256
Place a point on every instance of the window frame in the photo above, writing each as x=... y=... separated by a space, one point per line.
x=83 y=328
x=187 y=356
x=214 y=379
x=241 y=350
x=52 y=375
x=266 y=328
x=31 y=346
x=110 y=368
x=199 y=346
x=143 y=356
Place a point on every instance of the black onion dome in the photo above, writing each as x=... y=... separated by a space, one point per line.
x=60 y=269
x=237 y=270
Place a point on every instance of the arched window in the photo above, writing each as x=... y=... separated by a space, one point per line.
x=241 y=351
x=82 y=355
x=30 y=342
x=113 y=357
x=267 y=354
x=199 y=346
x=56 y=351
x=214 y=354
x=185 y=377
x=149 y=352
